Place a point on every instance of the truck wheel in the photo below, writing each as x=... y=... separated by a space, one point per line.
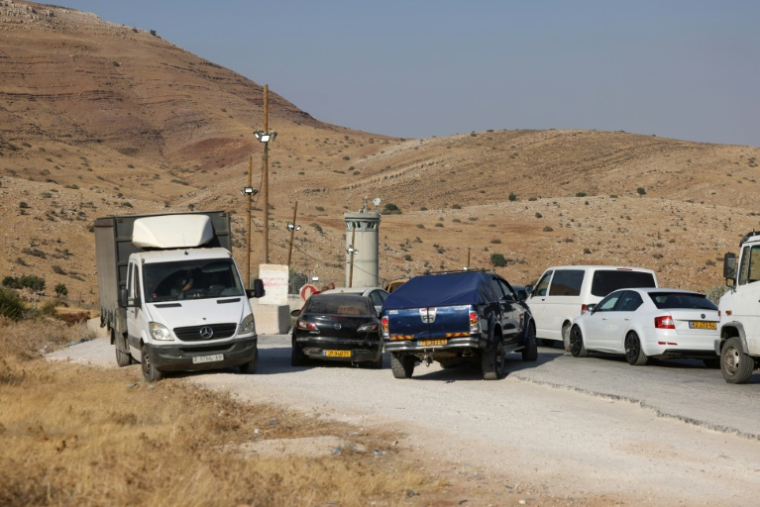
x=492 y=360
x=577 y=348
x=402 y=366
x=735 y=365
x=150 y=373
x=251 y=366
x=297 y=357
x=120 y=344
x=530 y=352
x=634 y=354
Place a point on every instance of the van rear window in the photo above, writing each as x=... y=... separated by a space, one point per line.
x=566 y=282
x=606 y=281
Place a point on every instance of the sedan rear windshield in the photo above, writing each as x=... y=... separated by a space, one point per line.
x=680 y=300
x=606 y=281
x=339 y=305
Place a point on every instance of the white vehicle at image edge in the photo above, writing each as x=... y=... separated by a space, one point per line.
x=738 y=344
x=644 y=323
x=563 y=292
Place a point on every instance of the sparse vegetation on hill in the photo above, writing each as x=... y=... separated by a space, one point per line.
x=63 y=163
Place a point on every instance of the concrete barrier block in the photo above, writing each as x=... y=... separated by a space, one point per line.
x=271 y=319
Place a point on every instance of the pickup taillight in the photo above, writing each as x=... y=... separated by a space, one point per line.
x=386 y=331
x=474 y=323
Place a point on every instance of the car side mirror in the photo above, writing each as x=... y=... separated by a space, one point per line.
x=295 y=313
x=522 y=295
x=591 y=308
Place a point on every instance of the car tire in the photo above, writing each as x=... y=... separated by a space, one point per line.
x=120 y=344
x=150 y=372
x=735 y=365
x=713 y=363
x=251 y=366
x=492 y=360
x=634 y=354
x=297 y=357
x=577 y=347
x=402 y=366
x=530 y=352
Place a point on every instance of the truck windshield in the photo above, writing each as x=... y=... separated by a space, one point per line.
x=199 y=279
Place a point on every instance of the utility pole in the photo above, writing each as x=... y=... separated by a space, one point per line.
x=292 y=232
x=265 y=164
x=248 y=234
x=468 y=257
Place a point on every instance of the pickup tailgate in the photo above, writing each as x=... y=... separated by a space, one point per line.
x=429 y=323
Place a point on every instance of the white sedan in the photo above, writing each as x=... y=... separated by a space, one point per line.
x=644 y=323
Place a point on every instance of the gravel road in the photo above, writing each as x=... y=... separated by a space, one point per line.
x=668 y=434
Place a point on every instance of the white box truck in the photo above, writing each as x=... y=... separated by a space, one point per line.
x=171 y=294
x=739 y=310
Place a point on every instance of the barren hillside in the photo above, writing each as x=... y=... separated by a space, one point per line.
x=98 y=118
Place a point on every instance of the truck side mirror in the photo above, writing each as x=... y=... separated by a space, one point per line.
x=125 y=302
x=729 y=268
x=258 y=289
x=123 y=298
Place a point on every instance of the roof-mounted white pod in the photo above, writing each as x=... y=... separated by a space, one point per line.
x=172 y=231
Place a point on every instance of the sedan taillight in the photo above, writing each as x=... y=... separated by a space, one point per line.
x=302 y=324
x=664 y=322
x=369 y=327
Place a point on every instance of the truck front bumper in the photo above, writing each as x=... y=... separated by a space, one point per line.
x=184 y=357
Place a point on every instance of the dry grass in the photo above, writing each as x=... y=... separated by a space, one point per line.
x=80 y=436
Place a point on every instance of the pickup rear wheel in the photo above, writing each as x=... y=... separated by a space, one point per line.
x=150 y=373
x=735 y=365
x=402 y=366
x=530 y=352
x=577 y=348
x=492 y=360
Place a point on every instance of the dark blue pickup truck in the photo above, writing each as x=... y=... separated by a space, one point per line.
x=449 y=318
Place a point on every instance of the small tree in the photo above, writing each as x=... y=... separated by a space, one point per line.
x=641 y=190
x=498 y=260
x=512 y=196
x=61 y=290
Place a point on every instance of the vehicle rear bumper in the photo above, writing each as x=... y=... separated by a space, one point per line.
x=452 y=344
x=361 y=349
x=180 y=357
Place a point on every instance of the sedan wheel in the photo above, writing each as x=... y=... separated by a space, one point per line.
x=735 y=365
x=297 y=357
x=633 y=351
x=577 y=348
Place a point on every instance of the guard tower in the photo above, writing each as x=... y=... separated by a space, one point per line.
x=362 y=248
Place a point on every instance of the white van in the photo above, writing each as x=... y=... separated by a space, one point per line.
x=563 y=292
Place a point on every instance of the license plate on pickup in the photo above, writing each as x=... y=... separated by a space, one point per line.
x=702 y=325
x=337 y=353
x=208 y=359
x=431 y=343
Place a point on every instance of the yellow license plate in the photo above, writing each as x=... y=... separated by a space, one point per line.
x=337 y=353
x=432 y=343
x=703 y=325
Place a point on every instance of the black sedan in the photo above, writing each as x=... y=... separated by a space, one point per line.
x=337 y=327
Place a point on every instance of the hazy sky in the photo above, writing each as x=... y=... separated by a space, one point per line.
x=686 y=69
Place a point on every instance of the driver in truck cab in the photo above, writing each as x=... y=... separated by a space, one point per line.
x=182 y=283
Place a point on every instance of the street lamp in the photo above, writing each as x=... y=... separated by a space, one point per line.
x=264 y=136
x=292 y=228
x=351 y=251
x=249 y=191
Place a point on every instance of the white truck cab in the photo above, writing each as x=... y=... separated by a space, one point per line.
x=739 y=310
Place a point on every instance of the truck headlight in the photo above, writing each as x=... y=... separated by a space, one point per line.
x=247 y=325
x=159 y=332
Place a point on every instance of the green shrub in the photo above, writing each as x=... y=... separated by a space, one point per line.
x=580 y=194
x=512 y=196
x=11 y=305
x=61 y=290
x=641 y=191
x=498 y=260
